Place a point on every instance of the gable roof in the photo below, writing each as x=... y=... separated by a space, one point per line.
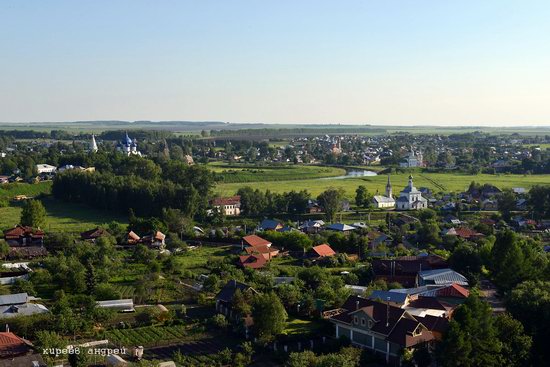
x=269 y=224
x=228 y=291
x=12 y=345
x=396 y=324
x=231 y=200
x=13 y=299
x=252 y=261
x=323 y=250
x=22 y=231
x=442 y=276
x=93 y=233
x=395 y=297
x=340 y=227
x=255 y=241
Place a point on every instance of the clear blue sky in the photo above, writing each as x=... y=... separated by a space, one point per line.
x=277 y=61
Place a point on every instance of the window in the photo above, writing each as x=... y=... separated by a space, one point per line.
x=370 y=324
x=355 y=320
x=363 y=322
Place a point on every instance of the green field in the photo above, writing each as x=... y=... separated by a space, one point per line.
x=8 y=191
x=62 y=216
x=438 y=182
x=239 y=173
x=196 y=259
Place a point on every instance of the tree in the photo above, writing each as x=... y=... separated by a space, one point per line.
x=516 y=346
x=515 y=259
x=269 y=316
x=472 y=338
x=331 y=202
x=4 y=249
x=529 y=302
x=361 y=196
x=33 y=214
x=507 y=204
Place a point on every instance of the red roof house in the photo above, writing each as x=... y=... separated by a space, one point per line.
x=323 y=250
x=253 y=240
x=252 y=261
x=24 y=236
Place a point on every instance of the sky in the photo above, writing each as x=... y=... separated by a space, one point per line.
x=399 y=62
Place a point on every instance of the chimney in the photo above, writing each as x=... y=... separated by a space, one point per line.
x=356 y=305
x=7 y=328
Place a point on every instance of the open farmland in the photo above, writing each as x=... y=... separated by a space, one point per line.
x=438 y=182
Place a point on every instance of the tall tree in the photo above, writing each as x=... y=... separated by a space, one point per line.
x=472 y=338
x=331 y=201
x=269 y=316
x=33 y=214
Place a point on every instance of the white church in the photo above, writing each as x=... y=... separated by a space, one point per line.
x=410 y=198
x=385 y=201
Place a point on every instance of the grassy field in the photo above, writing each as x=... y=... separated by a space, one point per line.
x=62 y=216
x=438 y=182
x=196 y=259
x=10 y=190
x=239 y=173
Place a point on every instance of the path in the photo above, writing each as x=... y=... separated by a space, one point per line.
x=490 y=293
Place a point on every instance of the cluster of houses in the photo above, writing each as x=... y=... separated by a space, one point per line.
x=386 y=322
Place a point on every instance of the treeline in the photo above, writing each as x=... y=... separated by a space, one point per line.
x=184 y=188
x=256 y=202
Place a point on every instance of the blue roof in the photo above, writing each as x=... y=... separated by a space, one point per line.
x=395 y=297
x=269 y=224
x=128 y=140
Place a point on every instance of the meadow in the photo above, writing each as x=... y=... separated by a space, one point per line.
x=8 y=191
x=438 y=182
x=239 y=173
x=62 y=216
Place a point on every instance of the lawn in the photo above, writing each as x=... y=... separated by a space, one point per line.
x=296 y=326
x=62 y=216
x=438 y=182
x=196 y=259
x=240 y=173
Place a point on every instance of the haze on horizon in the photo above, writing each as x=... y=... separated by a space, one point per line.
x=310 y=61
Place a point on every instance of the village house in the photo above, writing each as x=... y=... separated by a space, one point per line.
x=405 y=269
x=340 y=227
x=380 y=327
x=270 y=225
x=224 y=298
x=24 y=236
x=229 y=206
x=155 y=240
x=19 y=304
x=252 y=261
x=259 y=246
x=93 y=234
x=321 y=251
x=45 y=169
x=16 y=351
x=312 y=226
